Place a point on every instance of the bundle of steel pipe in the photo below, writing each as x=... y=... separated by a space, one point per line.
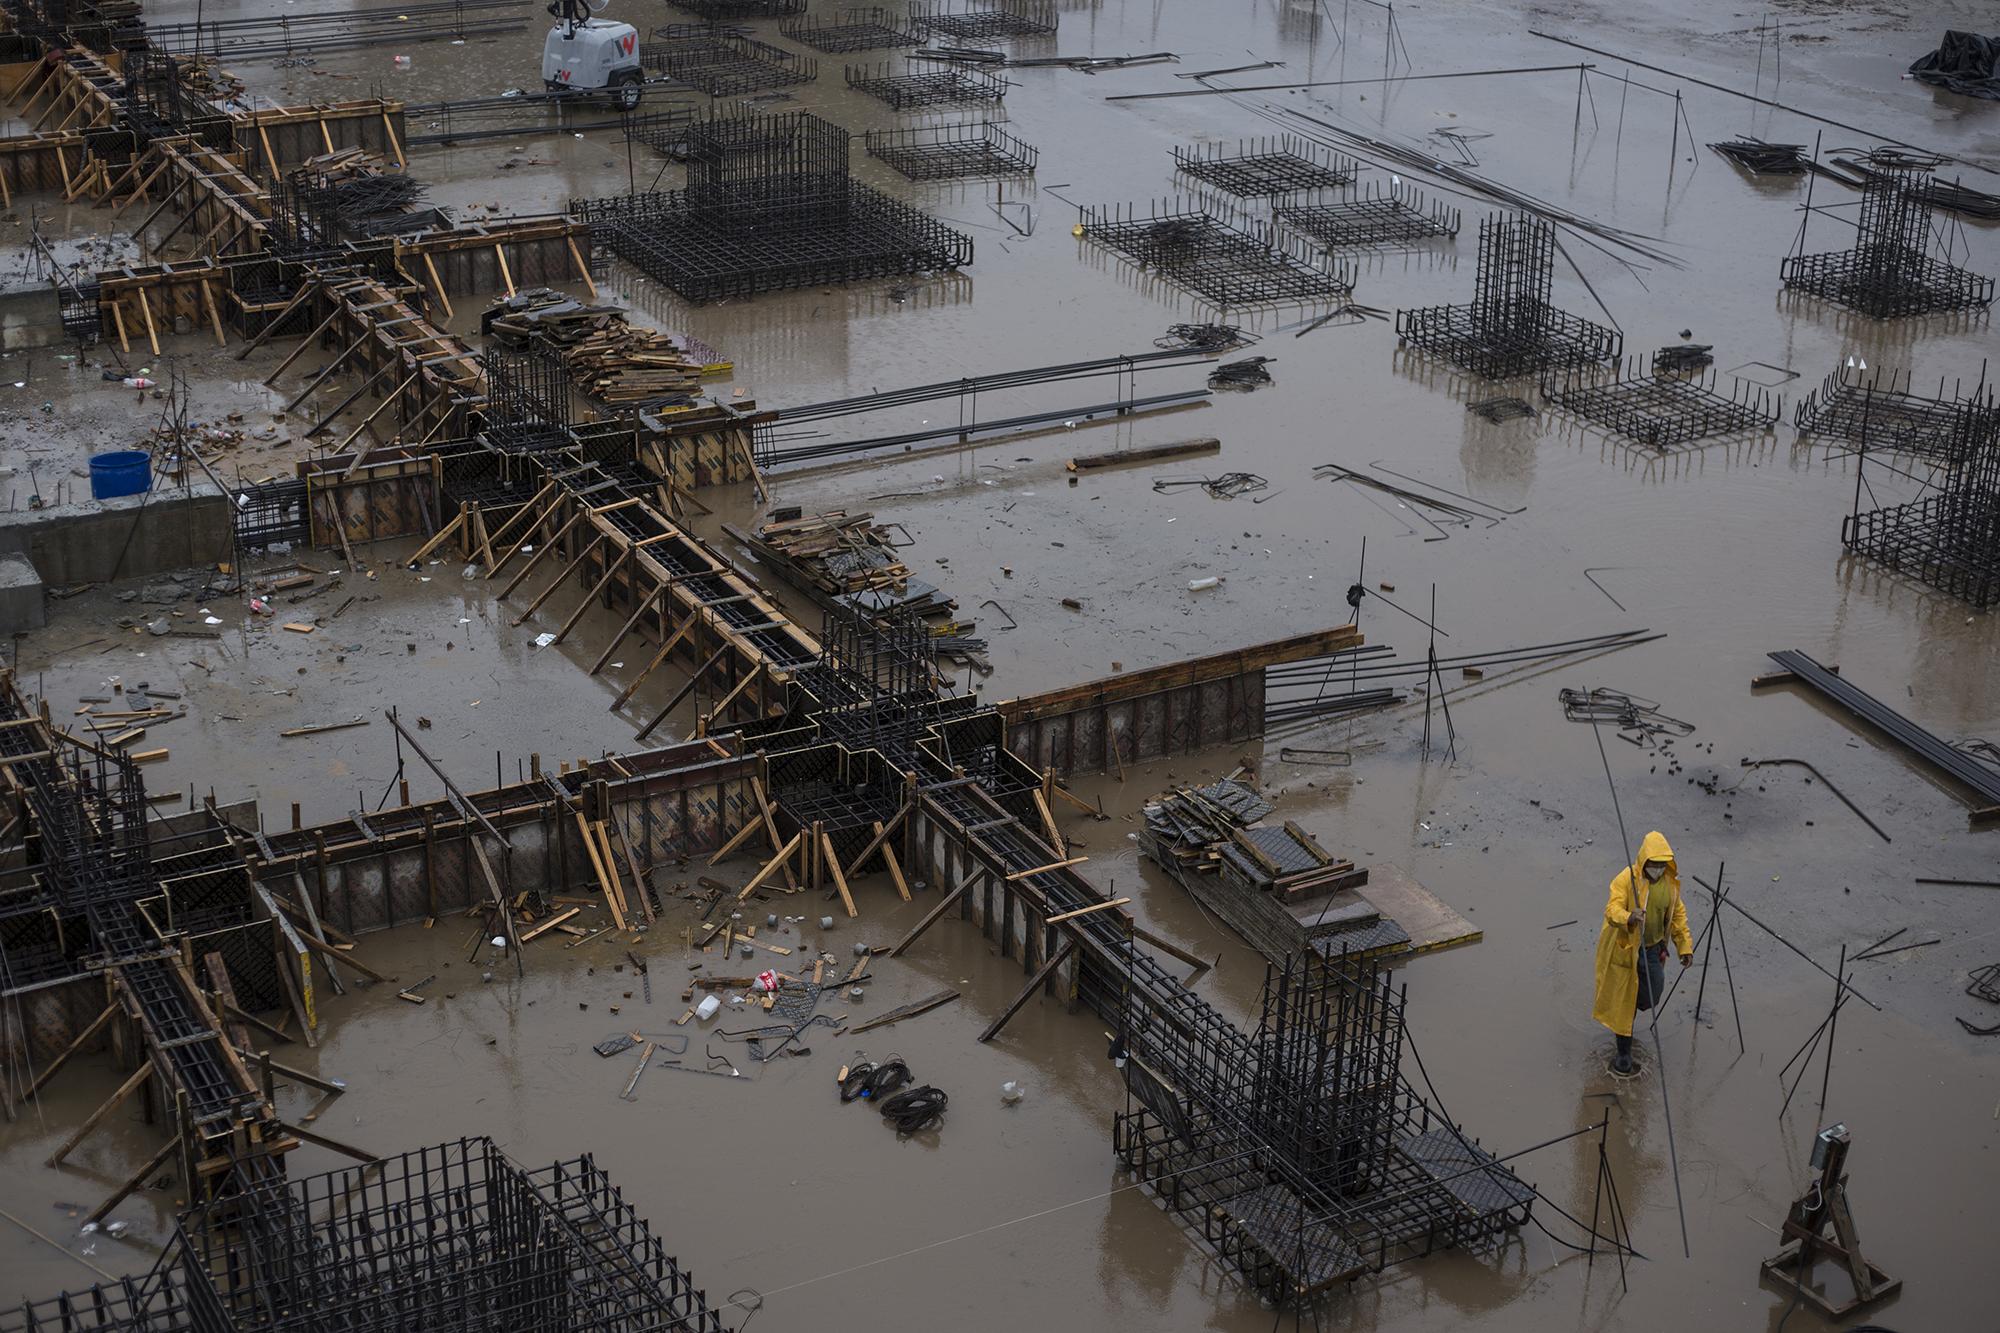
x=974 y=384
x=767 y=457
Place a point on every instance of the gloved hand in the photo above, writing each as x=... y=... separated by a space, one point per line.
x=1687 y=960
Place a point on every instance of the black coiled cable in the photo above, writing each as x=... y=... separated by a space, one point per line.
x=872 y=1082
x=918 y=1109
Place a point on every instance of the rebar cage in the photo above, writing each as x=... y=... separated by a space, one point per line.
x=1510 y=328
x=1889 y=273
x=1949 y=540
x=1231 y=264
x=724 y=64
x=770 y=205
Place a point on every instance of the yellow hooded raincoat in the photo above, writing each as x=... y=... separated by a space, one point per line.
x=1617 y=998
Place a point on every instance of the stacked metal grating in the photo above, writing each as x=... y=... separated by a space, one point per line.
x=1372 y=220
x=910 y=92
x=722 y=63
x=850 y=30
x=454 y=1237
x=770 y=205
x=1300 y=1155
x=1259 y=168
x=1950 y=539
x=1006 y=18
x=1218 y=260
x=1510 y=329
x=1889 y=273
x=952 y=151
x=1855 y=405
x=735 y=11
x=1664 y=408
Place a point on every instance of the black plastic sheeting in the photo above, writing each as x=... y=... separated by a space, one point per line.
x=1965 y=63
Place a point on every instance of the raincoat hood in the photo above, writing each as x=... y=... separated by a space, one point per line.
x=1655 y=848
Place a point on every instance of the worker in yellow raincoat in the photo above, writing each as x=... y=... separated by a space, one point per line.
x=1643 y=911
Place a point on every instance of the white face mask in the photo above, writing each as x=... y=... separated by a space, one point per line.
x=1655 y=873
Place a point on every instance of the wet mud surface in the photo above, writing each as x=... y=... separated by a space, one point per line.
x=1016 y=1215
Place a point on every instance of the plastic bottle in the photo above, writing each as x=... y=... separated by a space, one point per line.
x=708 y=1008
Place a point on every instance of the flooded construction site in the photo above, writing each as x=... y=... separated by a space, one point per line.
x=1098 y=664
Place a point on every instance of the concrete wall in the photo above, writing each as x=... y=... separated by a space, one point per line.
x=95 y=541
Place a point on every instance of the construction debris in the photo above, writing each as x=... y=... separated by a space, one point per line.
x=610 y=359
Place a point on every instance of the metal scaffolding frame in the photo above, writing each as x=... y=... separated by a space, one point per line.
x=958 y=151
x=1664 y=408
x=985 y=22
x=1857 y=406
x=1257 y=168
x=1510 y=328
x=1375 y=220
x=909 y=92
x=1231 y=263
x=849 y=30
x=1889 y=273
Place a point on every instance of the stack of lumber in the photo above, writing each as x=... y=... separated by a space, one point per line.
x=1275 y=886
x=846 y=558
x=610 y=359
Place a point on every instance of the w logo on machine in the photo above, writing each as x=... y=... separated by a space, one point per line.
x=627 y=42
x=563 y=74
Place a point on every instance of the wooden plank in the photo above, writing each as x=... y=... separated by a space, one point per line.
x=895 y=870
x=911 y=1010
x=1072 y=915
x=95 y=1118
x=550 y=924
x=771 y=865
x=1429 y=922
x=1043 y=870
x=1150 y=454
x=946 y=901
x=770 y=825
x=839 y=880
x=597 y=867
x=76 y=1044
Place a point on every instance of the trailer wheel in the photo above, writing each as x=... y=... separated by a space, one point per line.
x=629 y=92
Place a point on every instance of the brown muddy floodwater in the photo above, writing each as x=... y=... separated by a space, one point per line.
x=1015 y=1217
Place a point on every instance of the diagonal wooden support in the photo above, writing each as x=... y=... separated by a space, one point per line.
x=561 y=578
x=641 y=605
x=721 y=708
x=55 y=1066
x=443 y=535
x=306 y=344
x=124 y=1191
x=882 y=832
x=389 y=400
x=946 y=901
x=597 y=866
x=305 y=293
x=326 y=372
x=1035 y=982
x=666 y=647
x=737 y=839
x=611 y=568
x=895 y=869
x=833 y=865
x=125 y=1089
x=536 y=507
x=782 y=858
x=353 y=397
x=539 y=556
x=684 y=691
x=770 y=821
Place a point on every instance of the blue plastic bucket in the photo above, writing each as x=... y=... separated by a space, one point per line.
x=123 y=472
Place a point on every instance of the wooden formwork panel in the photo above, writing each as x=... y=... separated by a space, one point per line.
x=373 y=503
x=36 y=1026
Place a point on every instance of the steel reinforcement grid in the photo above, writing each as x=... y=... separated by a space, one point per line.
x=1664 y=409
x=846 y=31
x=1257 y=168
x=1222 y=263
x=1372 y=220
x=909 y=92
x=953 y=151
x=1858 y=406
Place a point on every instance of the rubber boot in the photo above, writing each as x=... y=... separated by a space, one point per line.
x=1621 y=1063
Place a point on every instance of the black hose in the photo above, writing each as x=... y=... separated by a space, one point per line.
x=918 y=1109
x=871 y=1082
